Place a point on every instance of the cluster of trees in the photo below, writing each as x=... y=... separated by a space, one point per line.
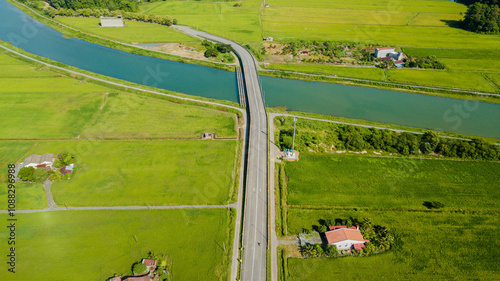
x=31 y=174
x=214 y=49
x=331 y=51
x=124 y=5
x=357 y=138
x=482 y=17
x=428 y=62
x=64 y=159
x=88 y=12
x=379 y=236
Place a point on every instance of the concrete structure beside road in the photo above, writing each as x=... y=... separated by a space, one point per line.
x=112 y=21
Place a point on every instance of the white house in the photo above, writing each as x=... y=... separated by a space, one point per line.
x=35 y=160
x=345 y=238
x=268 y=38
x=112 y=21
x=383 y=52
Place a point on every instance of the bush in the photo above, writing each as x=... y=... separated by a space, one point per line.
x=433 y=204
x=40 y=175
x=26 y=173
x=139 y=268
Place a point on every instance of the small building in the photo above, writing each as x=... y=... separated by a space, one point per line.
x=345 y=238
x=207 y=136
x=137 y=278
x=383 y=52
x=39 y=160
x=399 y=63
x=112 y=21
x=268 y=38
x=150 y=264
x=266 y=5
x=67 y=169
x=117 y=278
x=304 y=53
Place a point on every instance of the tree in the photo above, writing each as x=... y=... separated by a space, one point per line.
x=40 y=175
x=433 y=204
x=26 y=173
x=211 y=53
x=139 y=268
x=309 y=251
x=332 y=251
x=482 y=18
x=322 y=228
x=319 y=250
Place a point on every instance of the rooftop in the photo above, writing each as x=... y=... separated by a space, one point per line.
x=338 y=235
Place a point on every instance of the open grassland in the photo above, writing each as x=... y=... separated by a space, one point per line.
x=94 y=245
x=494 y=77
x=29 y=196
x=455 y=79
x=236 y=23
x=357 y=72
x=132 y=116
x=417 y=23
x=10 y=153
x=139 y=173
x=60 y=107
x=439 y=246
x=133 y=32
x=360 y=181
x=493 y=54
x=11 y=67
x=472 y=64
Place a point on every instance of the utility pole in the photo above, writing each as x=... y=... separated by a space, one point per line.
x=294 y=123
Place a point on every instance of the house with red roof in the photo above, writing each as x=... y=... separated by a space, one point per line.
x=150 y=264
x=345 y=237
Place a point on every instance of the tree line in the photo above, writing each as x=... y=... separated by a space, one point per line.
x=482 y=16
x=124 y=5
x=358 y=138
x=87 y=12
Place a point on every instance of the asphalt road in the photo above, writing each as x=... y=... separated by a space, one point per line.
x=255 y=221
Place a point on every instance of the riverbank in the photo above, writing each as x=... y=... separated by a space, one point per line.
x=457 y=93
x=70 y=32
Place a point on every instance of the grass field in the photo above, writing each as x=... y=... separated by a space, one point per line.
x=132 y=116
x=94 y=245
x=236 y=23
x=29 y=196
x=361 y=181
x=60 y=107
x=469 y=64
x=134 y=32
x=453 y=53
x=454 y=79
x=438 y=246
x=10 y=153
x=358 y=72
x=139 y=173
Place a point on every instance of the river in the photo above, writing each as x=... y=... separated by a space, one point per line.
x=394 y=107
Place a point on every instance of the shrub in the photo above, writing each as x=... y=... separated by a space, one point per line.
x=26 y=173
x=138 y=268
x=433 y=204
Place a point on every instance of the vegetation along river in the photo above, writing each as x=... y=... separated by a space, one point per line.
x=453 y=115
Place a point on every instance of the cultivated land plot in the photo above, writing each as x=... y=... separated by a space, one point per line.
x=29 y=196
x=361 y=181
x=140 y=173
x=10 y=153
x=454 y=79
x=132 y=116
x=476 y=64
x=11 y=67
x=133 y=32
x=94 y=245
x=439 y=246
x=236 y=23
x=454 y=53
x=415 y=23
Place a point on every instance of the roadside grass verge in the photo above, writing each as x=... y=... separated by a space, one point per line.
x=11 y=68
x=144 y=173
x=94 y=245
x=436 y=245
x=29 y=196
x=133 y=32
x=361 y=181
x=132 y=116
